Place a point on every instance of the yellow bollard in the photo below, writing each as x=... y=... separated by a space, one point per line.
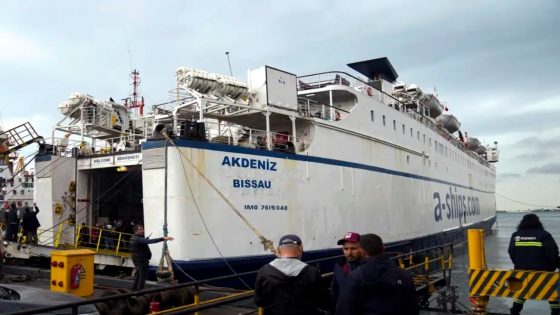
x=261 y=311
x=477 y=260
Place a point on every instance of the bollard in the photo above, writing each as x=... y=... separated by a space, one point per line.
x=477 y=260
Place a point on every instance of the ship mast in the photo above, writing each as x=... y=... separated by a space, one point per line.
x=135 y=101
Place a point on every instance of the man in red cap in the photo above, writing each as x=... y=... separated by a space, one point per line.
x=353 y=256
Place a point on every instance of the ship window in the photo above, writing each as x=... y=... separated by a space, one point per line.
x=383 y=120
x=394 y=124
x=15 y=192
x=407 y=159
x=19 y=179
x=424 y=137
x=430 y=141
x=403 y=129
x=372 y=116
x=23 y=191
x=418 y=135
x=411 y=133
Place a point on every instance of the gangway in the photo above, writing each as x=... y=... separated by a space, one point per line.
x=18 y=137
x=117 y=254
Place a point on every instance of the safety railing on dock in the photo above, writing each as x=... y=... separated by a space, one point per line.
x=185 y=298
x=98 y=239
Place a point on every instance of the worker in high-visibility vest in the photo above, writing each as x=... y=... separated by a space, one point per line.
x=533 y=248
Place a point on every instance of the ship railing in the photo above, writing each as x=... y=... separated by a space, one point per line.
x=102 y=240
x=241 y=136
x=75 y=148
x=321 y=80
x=195 y=304
x=429 y=266
x=21 y=234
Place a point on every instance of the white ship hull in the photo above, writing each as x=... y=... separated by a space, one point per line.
x=372 y=188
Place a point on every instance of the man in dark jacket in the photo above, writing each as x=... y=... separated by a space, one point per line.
x=533 y=248
x=353 y=255
x=141 y=255
x=13 y=223
x=289 y=286
x=30 y=224
x=378 y=286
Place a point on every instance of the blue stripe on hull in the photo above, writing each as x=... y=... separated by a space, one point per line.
x=211 y=268
x=298 y=157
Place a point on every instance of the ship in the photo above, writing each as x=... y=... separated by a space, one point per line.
x=16 y=186
x=227 y=167
x=16 y=179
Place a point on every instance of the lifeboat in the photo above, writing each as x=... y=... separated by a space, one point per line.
x=449 y=122
x=473 y=144
x=432 y=102
x=480 y=150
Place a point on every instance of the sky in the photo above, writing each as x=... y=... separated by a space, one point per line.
x=495 y=63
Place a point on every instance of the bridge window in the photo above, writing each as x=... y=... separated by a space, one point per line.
x=372 y=115
x=383 y=120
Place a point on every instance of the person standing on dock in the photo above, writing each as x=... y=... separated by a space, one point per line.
x=30 y=224
x=13 y=223
x=141 y=255
x=533 y=248
x=353 y=255
x=378 y=286
x=289 y=286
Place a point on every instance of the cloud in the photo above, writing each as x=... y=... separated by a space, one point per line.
x=15 y=47
x=534 y=156
x=506 y=176
x=541 y=144
x=551 y=168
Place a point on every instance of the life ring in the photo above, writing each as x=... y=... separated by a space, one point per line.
x=369 y=91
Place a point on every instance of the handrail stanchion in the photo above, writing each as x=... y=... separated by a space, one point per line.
x=477 y=260
x=196 y=297
x=118 y=244
x=78 y=236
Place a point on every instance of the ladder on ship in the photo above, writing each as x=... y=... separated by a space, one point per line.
x=16 y=138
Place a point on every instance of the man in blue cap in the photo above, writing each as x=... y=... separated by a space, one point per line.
x=289 y=286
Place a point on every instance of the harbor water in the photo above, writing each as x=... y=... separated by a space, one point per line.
x=497 y=257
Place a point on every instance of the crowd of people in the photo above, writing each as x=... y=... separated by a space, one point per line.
x=26 y=219
x=366 y=281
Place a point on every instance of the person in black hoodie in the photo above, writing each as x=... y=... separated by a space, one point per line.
x=378 y=286
x=533 y=248
x=141 y=255
x=289 y=286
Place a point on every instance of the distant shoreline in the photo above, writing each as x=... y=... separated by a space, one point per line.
x=528 y=211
